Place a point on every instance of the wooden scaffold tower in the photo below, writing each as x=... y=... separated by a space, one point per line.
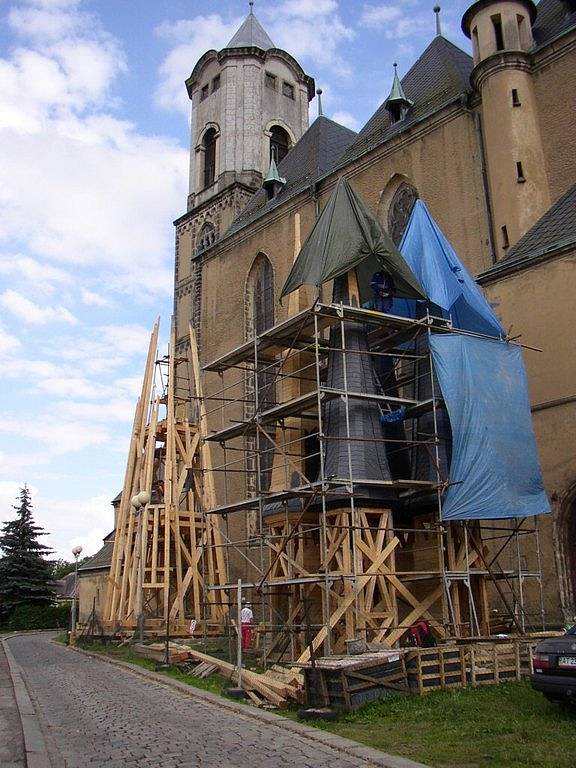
x=166 y=550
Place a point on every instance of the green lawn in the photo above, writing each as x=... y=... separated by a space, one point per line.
x=503 y=726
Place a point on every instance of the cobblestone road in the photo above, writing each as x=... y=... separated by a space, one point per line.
x=101 y=715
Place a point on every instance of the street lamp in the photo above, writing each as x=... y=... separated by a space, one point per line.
x=138 y=503
x=76 y=552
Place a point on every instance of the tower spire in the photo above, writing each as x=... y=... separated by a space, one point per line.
x=437 y=10
x=397 y=102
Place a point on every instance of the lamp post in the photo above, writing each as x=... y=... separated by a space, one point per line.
x=76 y=552
x=139 y=502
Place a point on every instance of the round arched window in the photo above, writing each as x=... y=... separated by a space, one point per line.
x=400 y=210
x=279 y=143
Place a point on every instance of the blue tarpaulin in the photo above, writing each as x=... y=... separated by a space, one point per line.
x=444 y=277
x=494 y=469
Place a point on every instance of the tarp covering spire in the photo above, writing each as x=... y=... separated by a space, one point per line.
x=494 y=471
x=446 y=280
x=347 y=235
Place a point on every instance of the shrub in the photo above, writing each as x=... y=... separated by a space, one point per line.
x=40 y=617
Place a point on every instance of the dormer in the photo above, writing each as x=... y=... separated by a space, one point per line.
x=397 y=102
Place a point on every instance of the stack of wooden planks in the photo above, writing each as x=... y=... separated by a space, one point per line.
x=269 y=687
x=157 y=652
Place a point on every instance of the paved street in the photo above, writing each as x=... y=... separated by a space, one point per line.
x=95 y=714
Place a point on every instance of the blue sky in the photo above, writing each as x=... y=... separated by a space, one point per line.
x=93 y=170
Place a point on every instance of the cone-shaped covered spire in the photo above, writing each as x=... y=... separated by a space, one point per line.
x=273 y=175
x=348 y=236
x=273 y=182
x=251 y=35
x=397 y=102
x=355 y=448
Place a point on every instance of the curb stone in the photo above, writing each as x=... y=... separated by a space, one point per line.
x=373 y=757
x=34 y=742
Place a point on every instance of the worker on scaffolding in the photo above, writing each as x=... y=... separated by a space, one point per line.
x=246 y=618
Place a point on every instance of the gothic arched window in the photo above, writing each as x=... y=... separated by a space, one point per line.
x=279 y=143
x=260 y=317
x=209 y=144
x=400 y=210
x=206 y=237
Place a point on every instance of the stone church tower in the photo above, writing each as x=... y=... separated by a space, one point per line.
x=249 y=105
x=501 y=33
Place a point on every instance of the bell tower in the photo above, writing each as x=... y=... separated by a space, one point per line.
x=501 y=34
x=249 y=105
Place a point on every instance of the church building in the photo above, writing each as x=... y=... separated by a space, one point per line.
x=486 y=141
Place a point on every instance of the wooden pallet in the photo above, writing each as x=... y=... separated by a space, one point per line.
x=457 y=666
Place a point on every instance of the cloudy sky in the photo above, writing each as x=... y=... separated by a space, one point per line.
x=93 y=170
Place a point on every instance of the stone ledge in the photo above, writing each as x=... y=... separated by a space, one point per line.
x=34 y=742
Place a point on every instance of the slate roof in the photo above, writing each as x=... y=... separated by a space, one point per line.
x=551 y=20
x=101 y=560
x=251 y=35
x=311 y=157
x=441 y=75
x=67 y=587
x=554 y=231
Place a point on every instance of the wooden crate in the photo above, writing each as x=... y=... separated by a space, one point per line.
x=453 y=666
x=349 y=682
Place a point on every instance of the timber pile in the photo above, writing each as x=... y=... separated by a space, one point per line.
x=268 y=687
x=157 y=652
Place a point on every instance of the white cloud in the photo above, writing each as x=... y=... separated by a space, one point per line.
x=379 y=15
x=93 y=299
x=29 y=312
x=191 y=39
x=312 y=30
x=347 y=119
x=8 y=343
x=398 y=20
x=113 y=191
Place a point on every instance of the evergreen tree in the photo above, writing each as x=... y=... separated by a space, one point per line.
x=24 y=573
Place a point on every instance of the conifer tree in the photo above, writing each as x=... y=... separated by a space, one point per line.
x=24 y=572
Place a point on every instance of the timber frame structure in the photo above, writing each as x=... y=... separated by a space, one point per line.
x=166 y=551
x=330 y=567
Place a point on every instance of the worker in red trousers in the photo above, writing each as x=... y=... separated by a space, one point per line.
x=246 y=617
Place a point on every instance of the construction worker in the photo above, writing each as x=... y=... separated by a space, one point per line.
x=246 y=617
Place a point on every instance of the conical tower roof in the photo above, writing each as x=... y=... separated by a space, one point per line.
x=251 y=35
x=397 y=95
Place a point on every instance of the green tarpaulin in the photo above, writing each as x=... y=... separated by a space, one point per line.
x=348 y=236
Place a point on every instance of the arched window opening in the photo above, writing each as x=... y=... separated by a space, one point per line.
x=206 y=237
x=400 y=210
x=209 y=144
x=279 y=143
x=260 y=317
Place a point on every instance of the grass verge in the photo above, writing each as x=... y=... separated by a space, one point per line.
x=501 y=726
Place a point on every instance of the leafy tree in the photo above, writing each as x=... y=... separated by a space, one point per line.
x=24 y=572
x=61 y=568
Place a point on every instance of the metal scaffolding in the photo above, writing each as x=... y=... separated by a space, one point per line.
x=336 y=557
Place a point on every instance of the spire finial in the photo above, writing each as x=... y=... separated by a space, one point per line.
x=251 y=4
x=319 y=94
x=437 y=10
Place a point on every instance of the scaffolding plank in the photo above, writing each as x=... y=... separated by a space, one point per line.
x=306 y=405
x=298 y=330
